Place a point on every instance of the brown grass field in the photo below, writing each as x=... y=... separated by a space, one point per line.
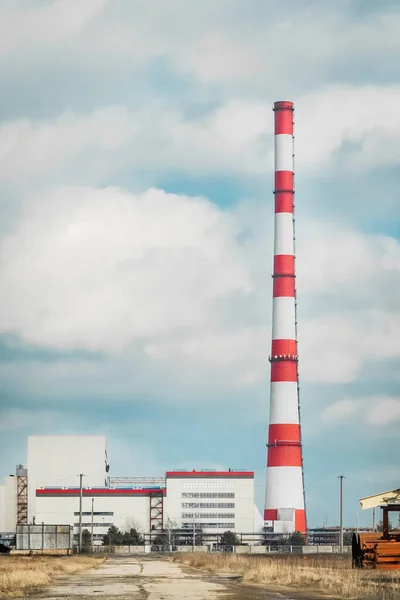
x=324 y=574
x=22 y=574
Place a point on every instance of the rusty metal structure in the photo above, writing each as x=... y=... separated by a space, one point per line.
x=156 y=512
x=22 y=495
x=379 y=550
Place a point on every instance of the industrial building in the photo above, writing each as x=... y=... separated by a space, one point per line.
x=210 y=501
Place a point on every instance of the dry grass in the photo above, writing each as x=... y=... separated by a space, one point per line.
x=22 y=574
x=330 y=575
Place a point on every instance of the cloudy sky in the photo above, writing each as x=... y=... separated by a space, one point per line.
x=136 y=232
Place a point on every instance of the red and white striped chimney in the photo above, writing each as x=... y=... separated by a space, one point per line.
x=285 y=485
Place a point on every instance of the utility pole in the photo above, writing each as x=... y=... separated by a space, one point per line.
x=373 y=520
x=194 y=532
x=80 y=512
x=92 y=525
x=341 y=477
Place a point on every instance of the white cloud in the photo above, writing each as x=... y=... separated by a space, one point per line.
x=375 y=411
x=93 y=146
x=340 y=257
x=103 y=268
x=334 y=116
x=227 y=44
x=384 y=411
x=335 y=347
x=39 y=26
x=349 y=295
x=33 y=420
x=341 y=410
x=181 y=286
x=234 y=139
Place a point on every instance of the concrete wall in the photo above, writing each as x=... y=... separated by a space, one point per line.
x=58 y=460
x=2 y=508
x=326 y=550
x=237 y=549
x=8 y=505
x=11 y=503
x=44 y=537
x=142 y=549
x=122 y=549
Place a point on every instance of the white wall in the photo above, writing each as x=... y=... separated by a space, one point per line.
x=132 y=511
x=258 y=521
x=2 y=508
x=8 y=504
x=57 y=461
x=243 y=500
x=11 y=503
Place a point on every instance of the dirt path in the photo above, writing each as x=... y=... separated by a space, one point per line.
x=149 y=579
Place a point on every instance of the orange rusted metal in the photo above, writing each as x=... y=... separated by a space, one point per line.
x=378 y=550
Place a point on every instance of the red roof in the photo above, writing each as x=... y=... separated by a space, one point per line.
x=211 y=474
x=48 y=492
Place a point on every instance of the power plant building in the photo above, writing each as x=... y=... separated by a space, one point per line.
x=210 y=501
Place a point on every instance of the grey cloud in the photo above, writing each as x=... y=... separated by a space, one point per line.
x=14 y=350
x=214 y=50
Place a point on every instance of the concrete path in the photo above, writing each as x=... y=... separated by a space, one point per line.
x=140 y=578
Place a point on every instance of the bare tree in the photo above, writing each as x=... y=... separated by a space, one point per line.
x=132 y=523
x=170 y=527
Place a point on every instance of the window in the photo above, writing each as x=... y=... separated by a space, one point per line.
x=208 y=495
x=224 y=526
x=95 y=514
x=88 y=525
x=208 y=505
x=208 y=484
x=208 y=515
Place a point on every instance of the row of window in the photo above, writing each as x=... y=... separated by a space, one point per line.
x=208 y=495
x=208 y=505
x=208 y=515
x=224 y=526
x=95 y=514
x=208 y=484
x=88 y=525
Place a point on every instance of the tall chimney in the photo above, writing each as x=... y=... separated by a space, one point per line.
x=285 y=482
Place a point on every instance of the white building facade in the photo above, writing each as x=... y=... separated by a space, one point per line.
x=124 y=508
x=214 y=501
x=8 y=504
